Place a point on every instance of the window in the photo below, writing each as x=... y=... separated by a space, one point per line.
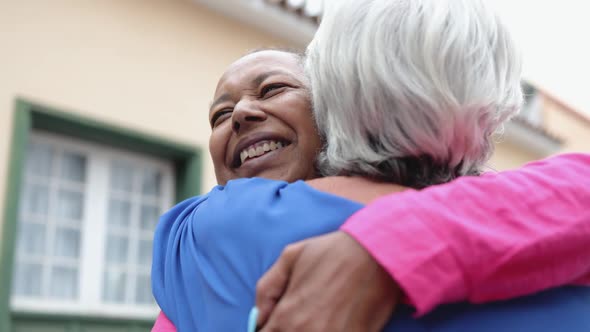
x=50 y=223
x=86 y=219
x=134 y=206
x=532 y=109
x=85 y=150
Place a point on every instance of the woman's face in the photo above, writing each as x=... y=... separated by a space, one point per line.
x=261 y=120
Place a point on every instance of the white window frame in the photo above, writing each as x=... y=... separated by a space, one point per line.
x=532 y=111
x=93 y=238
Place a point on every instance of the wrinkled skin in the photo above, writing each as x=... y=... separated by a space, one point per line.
x=263 y=96
x=327 y=283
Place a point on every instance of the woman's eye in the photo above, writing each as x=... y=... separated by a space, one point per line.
x=271 y=90
x=219 y=117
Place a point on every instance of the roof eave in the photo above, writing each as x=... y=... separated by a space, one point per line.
x=267 y=17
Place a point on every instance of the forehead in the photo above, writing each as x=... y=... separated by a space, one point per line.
x=252 y=65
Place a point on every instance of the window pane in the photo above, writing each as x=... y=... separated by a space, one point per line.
x=31 y=238
x=73 y=167
x=55 y=221
x=39 y=159
x=64 y=282
x=69 y=204
x=35 y=199
x=122 y=176
x=144 y=255
x=143 y=290
x=67 y=243
x=114 y=286
x=119 y=212
x=149 y=217
x=117 y=248
x=150 y=182
x=27 y=279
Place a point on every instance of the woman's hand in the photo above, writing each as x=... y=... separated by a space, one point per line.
x=326 y=283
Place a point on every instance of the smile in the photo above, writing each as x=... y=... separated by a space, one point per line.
x=259 y=149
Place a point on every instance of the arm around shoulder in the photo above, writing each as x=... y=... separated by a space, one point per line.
x=484 y=238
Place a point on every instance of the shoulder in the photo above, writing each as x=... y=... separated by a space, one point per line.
x=186 y=205
x=354 y=188
x=250 y=204
x=260 y=185
x=256 y=202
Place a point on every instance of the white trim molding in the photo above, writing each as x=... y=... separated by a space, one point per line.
x=267 y=16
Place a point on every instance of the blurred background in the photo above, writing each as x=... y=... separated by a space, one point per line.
x=103 y=126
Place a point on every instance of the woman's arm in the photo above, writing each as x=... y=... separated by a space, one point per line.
x=495 y=237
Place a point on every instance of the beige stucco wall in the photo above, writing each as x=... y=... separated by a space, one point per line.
x=145 y=64
x=508 y=155
x=573 y=128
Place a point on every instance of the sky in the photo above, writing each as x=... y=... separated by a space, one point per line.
x=555 y=42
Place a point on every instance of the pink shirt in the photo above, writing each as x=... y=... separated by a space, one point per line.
x=163 y=324
x=485 y=238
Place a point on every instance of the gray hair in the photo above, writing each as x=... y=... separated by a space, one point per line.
x=411 y=91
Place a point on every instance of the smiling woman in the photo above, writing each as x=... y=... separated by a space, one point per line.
x=261 y=120
x=405 y=101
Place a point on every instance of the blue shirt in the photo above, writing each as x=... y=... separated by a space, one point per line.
x=209 y=252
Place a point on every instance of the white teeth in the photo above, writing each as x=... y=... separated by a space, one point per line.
x=256 y=151
x=259 y=151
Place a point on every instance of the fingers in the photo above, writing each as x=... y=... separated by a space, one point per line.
x=330 y=284
x=286 y=317
x=273 y=284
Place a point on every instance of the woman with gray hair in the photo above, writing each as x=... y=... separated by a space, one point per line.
x=207 y=258
x=411 y=92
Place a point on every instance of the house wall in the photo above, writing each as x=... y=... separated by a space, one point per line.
x=149 y=65
x=508 y=155
x=572 y=127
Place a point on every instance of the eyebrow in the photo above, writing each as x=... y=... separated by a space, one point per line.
x=255 y=82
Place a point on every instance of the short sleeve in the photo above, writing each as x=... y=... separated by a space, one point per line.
x=210 y=251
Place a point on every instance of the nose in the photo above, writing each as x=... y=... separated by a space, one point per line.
x=246 y=114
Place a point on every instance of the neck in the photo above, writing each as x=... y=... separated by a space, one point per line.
x=355 y=188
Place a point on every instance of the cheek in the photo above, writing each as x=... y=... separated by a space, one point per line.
x=307 y=128
x=309 y=138
x=217 y=146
